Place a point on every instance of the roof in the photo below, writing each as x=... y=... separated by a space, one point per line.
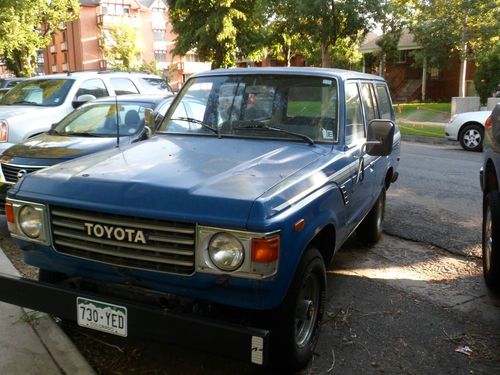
x=149 y=98
x=307 y=71
x=406 y=42
x=85 y=74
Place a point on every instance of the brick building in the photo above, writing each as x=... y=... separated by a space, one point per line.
x=79 y=46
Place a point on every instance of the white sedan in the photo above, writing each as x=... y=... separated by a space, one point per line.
x=468 y=129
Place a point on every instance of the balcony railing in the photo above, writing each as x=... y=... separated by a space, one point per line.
x=190 y=67
x=107 y=20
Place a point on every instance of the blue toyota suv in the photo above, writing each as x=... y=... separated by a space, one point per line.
x=490 y=182
x=217 y=231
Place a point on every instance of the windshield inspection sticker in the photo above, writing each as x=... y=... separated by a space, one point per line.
x=327 y=134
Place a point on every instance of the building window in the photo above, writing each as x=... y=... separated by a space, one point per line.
x=434 y=72
x=191 y=58
x=158 y=36
x=161 y=57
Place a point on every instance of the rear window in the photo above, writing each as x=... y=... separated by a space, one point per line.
x=155 y=85
x=384 y=102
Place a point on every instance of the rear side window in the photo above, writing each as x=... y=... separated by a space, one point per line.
x=354 y=126
x=384 y=103
x=368 y=102
x=123 y=86
x=94 y=87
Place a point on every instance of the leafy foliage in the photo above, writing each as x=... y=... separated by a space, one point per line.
x=487 y=77
x=26 y=27
x=219 y=30
x=444 y=27
x=121 y=47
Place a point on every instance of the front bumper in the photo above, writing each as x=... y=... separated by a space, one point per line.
x=144 y=320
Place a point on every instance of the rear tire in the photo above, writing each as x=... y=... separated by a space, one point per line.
x=491 y=240
x=370 y=229
x=471 y=137
x=296 y=323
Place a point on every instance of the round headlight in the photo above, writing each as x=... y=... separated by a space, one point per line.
x=226 y=251
x=30 y=221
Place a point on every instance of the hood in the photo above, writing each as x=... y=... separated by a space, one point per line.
x=59 y=147
x=7 y=111
x=185 y=178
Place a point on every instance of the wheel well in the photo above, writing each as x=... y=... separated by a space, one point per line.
x=324 y=241
x=467 y=124
x=388 y=178
x=490 y=178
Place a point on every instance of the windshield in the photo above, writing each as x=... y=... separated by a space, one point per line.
x=39 y=92
x=288 y=107
x=99 y=120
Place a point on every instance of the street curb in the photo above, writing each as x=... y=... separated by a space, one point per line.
x=60 y=348
x=428 y=140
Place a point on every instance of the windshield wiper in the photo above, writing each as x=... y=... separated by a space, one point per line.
x=202 y=123
x=256 y=125
x=83 y=134
x=25 y=102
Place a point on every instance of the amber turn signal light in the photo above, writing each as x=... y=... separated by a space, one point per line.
x=9 y=213
x=265 y=250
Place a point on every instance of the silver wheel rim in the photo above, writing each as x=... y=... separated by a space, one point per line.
x=488 y=240
x=472 y=138
x=306 y=312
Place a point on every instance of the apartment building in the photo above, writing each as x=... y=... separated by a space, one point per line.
x=80 y=46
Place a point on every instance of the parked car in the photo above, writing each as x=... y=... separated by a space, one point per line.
x=91 y=128
x=7 y=83
x=490 y=182
x=33 y=105
x=216 y=231
x=468 y=129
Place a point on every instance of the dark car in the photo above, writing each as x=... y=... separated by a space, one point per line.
x=490 y=182
x=90 y=129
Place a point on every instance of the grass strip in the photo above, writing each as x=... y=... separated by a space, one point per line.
x=421 y=130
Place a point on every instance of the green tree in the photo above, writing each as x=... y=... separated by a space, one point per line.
x=487 y=77
x=445 y=27
x=26 y=27
x=219 y=31
x=327 y=25
x=121 y=47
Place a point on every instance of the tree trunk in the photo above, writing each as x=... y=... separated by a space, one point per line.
x=325 y=58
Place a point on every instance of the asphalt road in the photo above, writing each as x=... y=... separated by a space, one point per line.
x=437 y=198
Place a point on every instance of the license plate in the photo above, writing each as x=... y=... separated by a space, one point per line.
x=101 y=316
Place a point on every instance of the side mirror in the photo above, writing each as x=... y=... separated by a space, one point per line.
x=380 y=137
x=149 y=122
x=82 y=99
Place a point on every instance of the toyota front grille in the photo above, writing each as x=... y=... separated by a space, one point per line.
x=124 y=241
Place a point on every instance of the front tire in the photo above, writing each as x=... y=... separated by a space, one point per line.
x=296 y=323
x=491 y=240
x=370 y=229
x=471 y=138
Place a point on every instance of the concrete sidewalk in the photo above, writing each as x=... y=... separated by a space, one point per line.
x=32 y=343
